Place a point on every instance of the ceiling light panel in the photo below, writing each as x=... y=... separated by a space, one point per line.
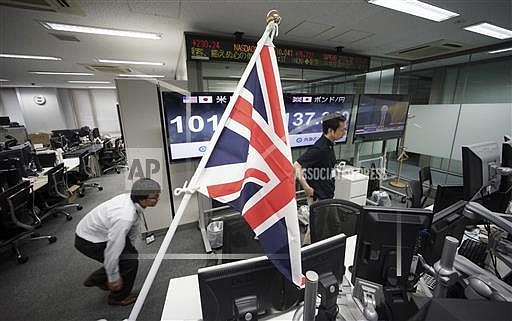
x=88 y=82
x=416 y=8
x=61 y=73
x=490 y=30
x=100 y=31
x=130 y=62
x=18 y=56
x=500 y=50
x=141 y=76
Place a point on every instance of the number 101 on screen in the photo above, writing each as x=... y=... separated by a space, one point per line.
x=197 y=123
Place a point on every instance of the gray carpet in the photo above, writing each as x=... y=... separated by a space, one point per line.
x=49 y=286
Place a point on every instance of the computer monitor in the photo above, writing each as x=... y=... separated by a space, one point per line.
x=192 y=119
x=386 y=241
x=448 y=222
x=447 y=195
x=72 y=136
x=12 y=172
x=96 y=133
x=381 y=117
x=479 y=162
x=230 y=291
x=5 y=121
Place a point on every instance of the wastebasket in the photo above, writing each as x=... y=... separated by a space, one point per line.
x=214 y=232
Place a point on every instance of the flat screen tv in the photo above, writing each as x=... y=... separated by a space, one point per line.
x=381 y=117
x=191 y=120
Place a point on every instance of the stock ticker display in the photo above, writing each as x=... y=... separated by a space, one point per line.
x=211 y=48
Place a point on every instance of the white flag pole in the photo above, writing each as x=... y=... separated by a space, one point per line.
x=272 y=19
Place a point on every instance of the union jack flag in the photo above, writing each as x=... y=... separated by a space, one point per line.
x=249 y=166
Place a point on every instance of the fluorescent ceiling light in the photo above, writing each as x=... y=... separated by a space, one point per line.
x=100 y=31
x=4 y=55
x=61 y=73
x=88 y=82
x=3 y=80
x=500 y=50
x=490 y=30
x=142 y=76
x=100 y=87
x=416 y=8
x=130 y=62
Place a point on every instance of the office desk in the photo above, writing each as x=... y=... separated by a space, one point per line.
x=42 y=179
x=183 y=301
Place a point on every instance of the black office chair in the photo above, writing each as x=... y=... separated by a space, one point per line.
x=58 y=193
x=83 y=174
x=18 y=219
x=425 y=175
x=414 y=193
x=332 y=217
x=113 y=156
x=238 y=238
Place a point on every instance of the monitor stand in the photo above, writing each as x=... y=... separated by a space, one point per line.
x=246 y=308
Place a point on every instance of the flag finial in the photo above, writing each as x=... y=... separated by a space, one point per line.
x=273 y=16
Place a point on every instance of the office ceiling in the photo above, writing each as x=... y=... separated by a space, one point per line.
x=356 y=25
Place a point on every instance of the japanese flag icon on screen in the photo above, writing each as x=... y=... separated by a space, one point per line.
x=205 y=99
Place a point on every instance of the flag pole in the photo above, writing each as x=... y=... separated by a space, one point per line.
x=273 y=19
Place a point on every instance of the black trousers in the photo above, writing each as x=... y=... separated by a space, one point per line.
x=128 y=265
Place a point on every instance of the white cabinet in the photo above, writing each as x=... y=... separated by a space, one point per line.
x=351 y=185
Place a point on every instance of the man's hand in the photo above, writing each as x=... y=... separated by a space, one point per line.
x=310 y=191
x=116 y=285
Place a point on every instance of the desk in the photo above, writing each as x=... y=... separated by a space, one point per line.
x=42 y=179
x=183 y=300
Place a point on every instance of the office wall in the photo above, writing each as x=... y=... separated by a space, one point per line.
x=64 y=108
x=11 y=105
x=142 y=130
x=41 y=118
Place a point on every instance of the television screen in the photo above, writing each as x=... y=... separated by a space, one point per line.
x=381 y=117
x=191 y=120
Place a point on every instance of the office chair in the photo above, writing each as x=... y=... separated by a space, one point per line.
x=18 y=219
x=414 y=193
x=332 y=217
x=113 y=158
x=58 y=193
x=425 y=175
x=84 y=173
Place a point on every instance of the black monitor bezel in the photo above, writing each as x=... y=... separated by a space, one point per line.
x=362 y=224
x=204 y=93
x=361 y=138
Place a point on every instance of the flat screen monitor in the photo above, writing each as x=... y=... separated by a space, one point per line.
x=447 y=195
x=381 y=117
x=256 y=286
x=5 y=121
x=191 y=120
x=386 y=241
x=448 y=222
x=478 y=169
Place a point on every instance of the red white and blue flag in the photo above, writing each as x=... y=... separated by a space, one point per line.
x=249 y=166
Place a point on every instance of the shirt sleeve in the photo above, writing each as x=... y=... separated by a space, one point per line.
x=115 y=245
x=310 y=157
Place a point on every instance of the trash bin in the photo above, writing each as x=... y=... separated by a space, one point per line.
x=214 y=232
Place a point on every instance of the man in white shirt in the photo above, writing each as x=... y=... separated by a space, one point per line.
x=106 y=234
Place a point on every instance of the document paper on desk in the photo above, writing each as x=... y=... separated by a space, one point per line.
x=250 y=168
